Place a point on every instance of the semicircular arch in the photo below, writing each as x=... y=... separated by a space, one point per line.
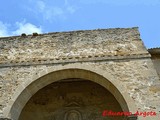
x=26 y=90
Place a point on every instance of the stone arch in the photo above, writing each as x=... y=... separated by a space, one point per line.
x=26 y=90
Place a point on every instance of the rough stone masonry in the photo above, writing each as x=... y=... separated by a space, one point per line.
x=118 y=55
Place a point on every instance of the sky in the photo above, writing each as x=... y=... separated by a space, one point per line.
x=44 y=16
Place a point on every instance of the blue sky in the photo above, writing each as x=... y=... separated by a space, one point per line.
x=43 y=16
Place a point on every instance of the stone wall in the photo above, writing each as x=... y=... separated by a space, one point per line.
x=70 y=45
x=119 y=52
x=138 y=77
x=157 y=65
x=155 y=53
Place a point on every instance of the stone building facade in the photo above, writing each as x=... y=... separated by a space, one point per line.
x=78 y=75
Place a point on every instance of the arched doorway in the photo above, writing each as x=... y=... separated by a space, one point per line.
x=71 y=99
x=26 y=90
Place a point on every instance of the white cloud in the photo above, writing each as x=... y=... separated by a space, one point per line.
x=41 y=5
x=27 y=28
x=48 y=12
x=22 y=27
x=71 y=9
x=52 y=12
x=3 y=29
